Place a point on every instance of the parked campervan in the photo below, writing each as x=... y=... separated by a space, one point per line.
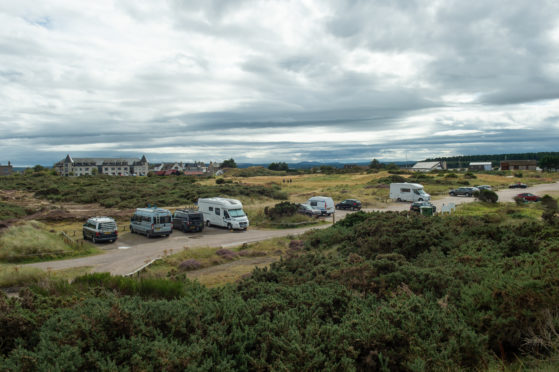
x=324 y=203
x=151 y=221
x=411 y=192
x=223 y=212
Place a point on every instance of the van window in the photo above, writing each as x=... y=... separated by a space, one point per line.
x=405 y=190
x=164 y=219
x=211 y=209
x=225 y=214
x=416 y=192
x=217 y=211
x=146 y=218
x=313 y=203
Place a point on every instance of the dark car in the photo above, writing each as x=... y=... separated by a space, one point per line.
x=518 y=185
x=526 y=196
x=416 y=206
x=483 y=187
x=308 y=210
x=466 y=191
x=188 y=220
x=352 y=204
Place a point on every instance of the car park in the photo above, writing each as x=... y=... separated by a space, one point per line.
x=98 y=229
x=188 y=220
x=416 y=206
x=484 y=187
x=152 y=221
x=526 y=196
x=466 y=191
x=518 y=185
x=306 y=209
x=352 y=204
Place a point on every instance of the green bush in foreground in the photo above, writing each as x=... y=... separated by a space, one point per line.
x=394 y=292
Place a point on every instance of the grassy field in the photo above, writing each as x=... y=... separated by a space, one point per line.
x=18 y=276
x=373 y=188
x=33 y=241
x=227 y=265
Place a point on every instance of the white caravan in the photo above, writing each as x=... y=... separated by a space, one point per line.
x=323 y=203
x=223 y=212
x=411 y=192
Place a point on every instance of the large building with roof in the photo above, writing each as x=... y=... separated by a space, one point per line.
x=110 y=166
x=427 y=166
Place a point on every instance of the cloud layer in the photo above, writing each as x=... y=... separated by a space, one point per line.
x=277 y=80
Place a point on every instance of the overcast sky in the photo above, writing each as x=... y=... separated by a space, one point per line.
x=267 y=81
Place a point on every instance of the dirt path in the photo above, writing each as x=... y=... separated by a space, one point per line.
x=132 y=251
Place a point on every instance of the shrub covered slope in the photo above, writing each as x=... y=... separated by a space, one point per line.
x=381 y=291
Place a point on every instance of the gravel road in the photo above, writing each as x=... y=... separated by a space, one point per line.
x=131 y=252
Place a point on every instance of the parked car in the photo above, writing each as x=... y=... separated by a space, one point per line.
x=352 y=204
x=306 y=209
x=483 y=187
x=188 y=220
x=526 y=196
x=416 y=206
x=466 y=191
x=518 y=185
x=99 y=229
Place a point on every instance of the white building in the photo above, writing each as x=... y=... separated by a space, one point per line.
x=480 y=166
x=109 y=166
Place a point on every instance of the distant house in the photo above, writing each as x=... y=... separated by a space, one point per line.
x=480 y=166
x=519 y=165
x=167 y=169
x=6 y=170
x=426 y=166
x=110 y=166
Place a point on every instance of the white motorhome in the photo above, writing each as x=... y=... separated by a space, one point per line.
x=323 y=203
x=411 y=192
x=223 y=212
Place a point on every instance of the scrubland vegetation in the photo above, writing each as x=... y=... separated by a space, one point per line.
x=131 y=192
x=377 y=291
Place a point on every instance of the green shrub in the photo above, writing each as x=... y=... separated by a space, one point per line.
x=488 y=196
x=470 y=175
x=518 y=175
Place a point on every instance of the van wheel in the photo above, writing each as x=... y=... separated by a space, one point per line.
x=148 y=235
x=399 y=200
x=84 y=236
x=229 y=227
x=468 y=194
x=208 y=223
x=420 y=199
x=132 y=230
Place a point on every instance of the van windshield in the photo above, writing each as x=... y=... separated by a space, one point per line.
x=236 y=213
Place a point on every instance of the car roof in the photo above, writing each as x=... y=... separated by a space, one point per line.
x=101 y=219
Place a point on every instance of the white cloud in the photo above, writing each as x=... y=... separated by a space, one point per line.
x=269 y=79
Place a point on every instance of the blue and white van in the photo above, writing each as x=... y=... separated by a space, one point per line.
x=152 y=222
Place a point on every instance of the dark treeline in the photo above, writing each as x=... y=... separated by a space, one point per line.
x=463 y=160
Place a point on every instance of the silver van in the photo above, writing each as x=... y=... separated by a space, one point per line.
x=98 y=229
x=152 y=222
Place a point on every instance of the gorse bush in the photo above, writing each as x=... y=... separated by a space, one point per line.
x=376 y=291
x=132 y=192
